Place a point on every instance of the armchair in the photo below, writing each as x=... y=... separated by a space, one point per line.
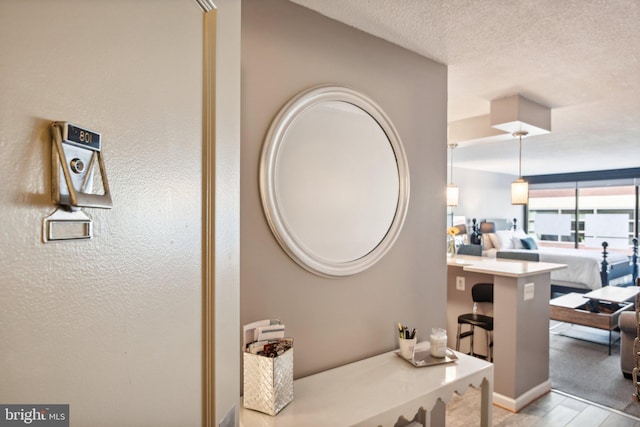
x=628 y=324
x=628 y=330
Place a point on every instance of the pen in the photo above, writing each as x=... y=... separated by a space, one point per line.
x=404 y=332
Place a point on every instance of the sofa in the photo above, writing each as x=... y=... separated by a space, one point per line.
x=628 y=331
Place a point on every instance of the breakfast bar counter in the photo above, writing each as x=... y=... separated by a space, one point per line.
x=521 y=322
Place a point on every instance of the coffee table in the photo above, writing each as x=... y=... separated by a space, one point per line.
x=596 y=309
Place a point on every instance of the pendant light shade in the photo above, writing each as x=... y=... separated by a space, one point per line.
x=520 y=187
x=452 y=189
x=452 y=195
x=519 y=192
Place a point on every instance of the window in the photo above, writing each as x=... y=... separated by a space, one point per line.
x=583 y=213
x=551 y=213
x=606 y=213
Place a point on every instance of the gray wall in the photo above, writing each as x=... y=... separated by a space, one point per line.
x=485 y=195
x=287 y=49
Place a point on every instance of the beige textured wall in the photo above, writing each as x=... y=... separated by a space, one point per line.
x=286 y=49
x=111 y=326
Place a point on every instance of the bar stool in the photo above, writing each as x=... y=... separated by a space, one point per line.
x=480 y=292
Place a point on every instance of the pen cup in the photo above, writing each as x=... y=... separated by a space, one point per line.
x=407 y=346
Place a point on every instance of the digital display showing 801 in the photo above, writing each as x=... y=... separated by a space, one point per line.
x=83 y=137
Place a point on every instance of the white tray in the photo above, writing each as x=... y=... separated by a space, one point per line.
x=422 y=358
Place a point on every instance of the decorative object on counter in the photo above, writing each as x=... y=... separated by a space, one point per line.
x=268 y=366
x=404 y=332
x=407 y=346
x=475 y=233
x=422 y=356
x=438 y=341
x=451 y=240
x=407 y=341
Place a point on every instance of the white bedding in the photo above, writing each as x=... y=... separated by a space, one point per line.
x=583 y=265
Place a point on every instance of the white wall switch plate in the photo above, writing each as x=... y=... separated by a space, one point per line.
x=460 y=283
x=528 y=291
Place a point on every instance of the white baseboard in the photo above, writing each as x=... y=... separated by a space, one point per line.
x=515 y=405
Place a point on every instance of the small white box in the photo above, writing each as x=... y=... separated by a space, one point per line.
x=268 y=382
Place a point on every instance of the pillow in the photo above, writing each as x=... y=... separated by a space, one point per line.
x=529 y=243
x=495 y=241
x=487 y=242
x=517 y=242
x=518 y=235
x=504 y=240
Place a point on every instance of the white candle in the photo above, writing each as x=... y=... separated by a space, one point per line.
x=438 y=342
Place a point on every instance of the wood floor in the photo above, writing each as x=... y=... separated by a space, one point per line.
x=555 y=409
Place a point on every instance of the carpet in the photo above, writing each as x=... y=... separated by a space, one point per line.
x=584 y=368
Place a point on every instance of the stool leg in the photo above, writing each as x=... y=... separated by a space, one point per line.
x=458 y=337
x=473 y=332
x=489 y=352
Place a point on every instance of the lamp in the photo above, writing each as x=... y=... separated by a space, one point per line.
x=520 y=187
x=462 y=229
x=487 y=227
x=452 y=189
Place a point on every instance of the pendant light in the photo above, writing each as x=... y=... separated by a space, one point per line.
x=452 y=189
x=520 y=187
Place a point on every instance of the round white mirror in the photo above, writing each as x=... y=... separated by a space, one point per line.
x=334 y=181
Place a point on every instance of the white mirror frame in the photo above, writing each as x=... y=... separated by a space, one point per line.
x=274 y=141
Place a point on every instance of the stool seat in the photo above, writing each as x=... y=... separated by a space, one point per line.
x=479 y=320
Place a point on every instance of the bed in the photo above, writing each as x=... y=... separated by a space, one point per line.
x=587 y=269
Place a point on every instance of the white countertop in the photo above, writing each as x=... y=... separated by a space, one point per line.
x=374 y=391
x=502 y=267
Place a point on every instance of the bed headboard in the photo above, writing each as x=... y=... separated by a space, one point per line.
x=500 y=223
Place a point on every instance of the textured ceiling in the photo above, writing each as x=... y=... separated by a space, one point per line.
x=581 y=58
